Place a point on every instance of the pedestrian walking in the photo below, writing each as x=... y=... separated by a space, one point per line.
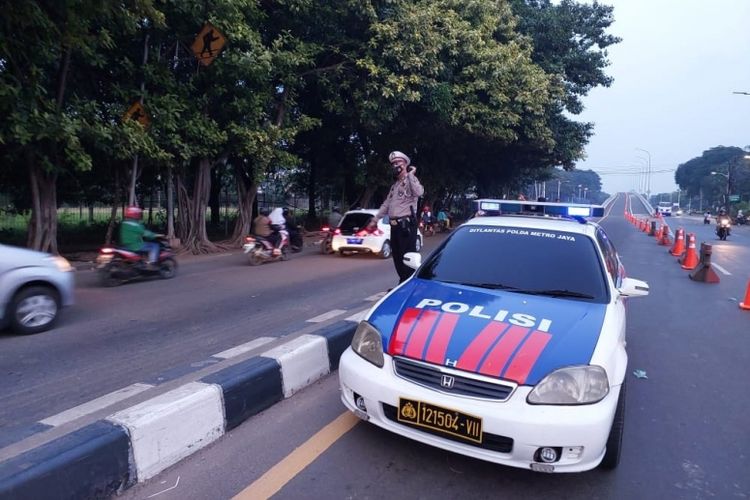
x=401 y=208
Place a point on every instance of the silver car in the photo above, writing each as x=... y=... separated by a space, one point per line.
x=34 y=286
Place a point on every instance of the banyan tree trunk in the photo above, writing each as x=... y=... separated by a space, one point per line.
x=193 y=211
x=42 y=233
x=247 y=188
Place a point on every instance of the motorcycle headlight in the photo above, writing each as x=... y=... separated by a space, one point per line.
x=572 y=385
x=368 y=344
x=61 y=263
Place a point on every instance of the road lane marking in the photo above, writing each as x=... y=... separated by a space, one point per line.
x=243 y=348
x=326 y=316
x=357 y=317
x=287 y=469
x=717 y=266
x=377 y=296
x=95 y=404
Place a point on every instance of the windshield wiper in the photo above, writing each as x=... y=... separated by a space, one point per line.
x=560 y=293
x=500 y=286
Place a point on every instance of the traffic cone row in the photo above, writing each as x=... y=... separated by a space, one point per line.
x=684 y=248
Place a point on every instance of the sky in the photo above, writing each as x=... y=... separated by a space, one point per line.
x=674 y=73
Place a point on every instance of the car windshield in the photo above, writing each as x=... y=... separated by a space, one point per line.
x=353 y=222
x=523 y=260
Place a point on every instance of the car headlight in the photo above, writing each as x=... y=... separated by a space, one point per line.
x=573 y=385
x=368 y=343
x=61 y=263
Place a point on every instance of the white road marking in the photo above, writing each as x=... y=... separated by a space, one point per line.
x=326 y=316
x=717 y=266
x=357 y=317
x=243 y=348
x=377 y=296
x=96 y=404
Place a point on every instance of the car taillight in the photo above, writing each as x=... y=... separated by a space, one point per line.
x=325 y=229
x=107 y=250
x=337 y=231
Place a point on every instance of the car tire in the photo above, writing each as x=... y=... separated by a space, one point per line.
x=385 y=251
x=614 y=442
x=34 y=309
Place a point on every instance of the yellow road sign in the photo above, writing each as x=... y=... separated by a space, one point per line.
x=208 y=44
x=137 y=112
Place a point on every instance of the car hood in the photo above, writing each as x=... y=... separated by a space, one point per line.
x=494 y=333
x=13 y=257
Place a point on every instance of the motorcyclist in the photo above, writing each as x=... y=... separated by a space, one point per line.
x=278 y=224
x=133 y=233
x=262 y=228
x=707 y=217
x=722 y=216
x=295 y=237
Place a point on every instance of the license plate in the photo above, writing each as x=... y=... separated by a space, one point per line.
x=354 y=241
x=442 y=420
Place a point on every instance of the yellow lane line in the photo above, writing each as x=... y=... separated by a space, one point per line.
x=280 y=474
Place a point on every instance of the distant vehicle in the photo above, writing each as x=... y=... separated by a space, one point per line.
x=351 y=235
x=664 y=208
x=676 y=210
x=34 y=286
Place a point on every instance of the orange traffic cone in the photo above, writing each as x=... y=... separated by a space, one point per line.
x=664 y=240
x=646 y=225
x=690 y=261
x=745 y=304
x=679 y=243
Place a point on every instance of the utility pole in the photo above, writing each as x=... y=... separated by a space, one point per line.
x=131 y=195
x=648 y=179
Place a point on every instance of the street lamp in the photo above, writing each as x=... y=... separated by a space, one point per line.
x=648 y=182
x=726 y=196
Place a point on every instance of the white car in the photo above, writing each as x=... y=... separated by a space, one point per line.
x=351 y=237
x=33 y=288
x=506 y=345
x=664 y=208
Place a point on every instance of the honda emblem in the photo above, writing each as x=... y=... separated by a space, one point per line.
x=447 y=381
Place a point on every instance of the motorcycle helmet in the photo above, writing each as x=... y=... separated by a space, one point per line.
x=722 y=212
x=133 y=212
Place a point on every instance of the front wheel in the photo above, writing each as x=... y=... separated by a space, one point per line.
x=34 y=309
x=255 y=258
x=168 y=269
x=285 y=253
x=614 y=441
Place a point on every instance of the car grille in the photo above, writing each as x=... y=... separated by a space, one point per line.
x=492 y=442
x=432 y=377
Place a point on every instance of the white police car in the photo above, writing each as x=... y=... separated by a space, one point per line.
x=507 y=344
x=351 y=235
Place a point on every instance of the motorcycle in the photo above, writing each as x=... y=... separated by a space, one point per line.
x=118 y=265
x=325 y=245
x=295 y=239
x=260 y=250
x=740 y=220
x=428 y=228
x=723 y=229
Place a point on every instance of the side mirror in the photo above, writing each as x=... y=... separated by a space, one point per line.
x=633 y=288
x=413 y=259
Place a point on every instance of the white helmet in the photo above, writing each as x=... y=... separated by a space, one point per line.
x=399 y=154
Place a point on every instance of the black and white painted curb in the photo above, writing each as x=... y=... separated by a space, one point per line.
x=137 y=443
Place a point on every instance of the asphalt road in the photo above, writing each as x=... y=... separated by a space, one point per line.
x=686 y=424
x=158 y=330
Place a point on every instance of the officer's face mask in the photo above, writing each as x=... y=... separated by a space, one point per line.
x=396 y=169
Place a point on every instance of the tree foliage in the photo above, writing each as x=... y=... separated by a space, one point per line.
x=481 y=94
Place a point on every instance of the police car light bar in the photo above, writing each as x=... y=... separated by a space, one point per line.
x=510 y=207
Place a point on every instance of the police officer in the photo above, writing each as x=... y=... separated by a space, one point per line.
x=400 y=206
